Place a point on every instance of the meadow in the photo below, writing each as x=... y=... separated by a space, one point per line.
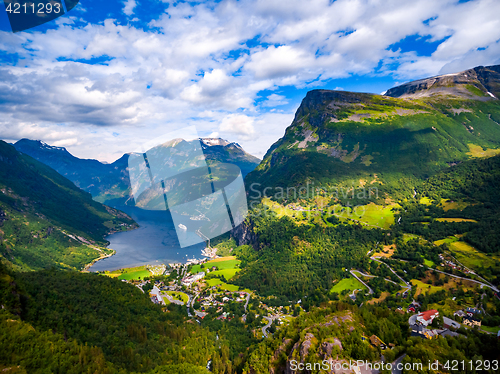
x=347 y=284
x=424 y=287
x=136 y=273
x=471 y=257
x=177 y=296
x=229 y=264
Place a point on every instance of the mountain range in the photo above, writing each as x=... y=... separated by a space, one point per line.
x=340 y=138
x=45 y=220
x=109 y=183
x=325 y=285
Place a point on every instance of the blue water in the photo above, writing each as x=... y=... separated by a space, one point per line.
x=154 y=242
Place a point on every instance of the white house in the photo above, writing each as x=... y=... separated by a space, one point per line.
x=188 y=281
x=425 y=318
x=155 y=296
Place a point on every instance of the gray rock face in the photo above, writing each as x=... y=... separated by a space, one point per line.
x=327 y=348
x=486 y=79
x=302 y=347
x=244 y=235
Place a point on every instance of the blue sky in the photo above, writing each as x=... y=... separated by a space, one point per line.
x=111 y=75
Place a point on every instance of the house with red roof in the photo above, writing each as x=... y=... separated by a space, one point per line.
x=425 y=318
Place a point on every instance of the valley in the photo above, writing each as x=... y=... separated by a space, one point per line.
x=372 y=236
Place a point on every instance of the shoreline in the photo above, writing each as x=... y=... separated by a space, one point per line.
x=103 y=256
x=94 y=261
x=204 y=255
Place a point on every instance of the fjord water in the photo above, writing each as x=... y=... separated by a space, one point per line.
x=154 y=242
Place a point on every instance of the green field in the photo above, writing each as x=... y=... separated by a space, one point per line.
x=478 y=151
x=136 y=273
x=428 y=263
x=494 y=329
x=175 y=295
x=227 y=273
x=221 y=284
x=373 y=215
x=425 y=201
x=223 y=263
x=455 y=220
x=424 y=287
x=407 y=237
x=449 y=204
x=448 y=240
x=347 y=284
x=471 y=257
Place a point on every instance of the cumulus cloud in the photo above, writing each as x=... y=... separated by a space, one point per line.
x=128 y=7
x=274 y=100
x=239 y=124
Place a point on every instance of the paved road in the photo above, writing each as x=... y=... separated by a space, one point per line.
x=374 y=276
x=172 y=300
x=476 y=274
x=402 y=280
x=467 y=279
x=395 y=369
x=269 y=322
x=190 y=305
x=412 y=320
x=139 y=287
x=248 y=299
x=370 y=291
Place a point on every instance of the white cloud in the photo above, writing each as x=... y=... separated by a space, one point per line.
x=128 y=7
x=211 y=60
x=275 y=100
x=239 y=124
x=276 y=62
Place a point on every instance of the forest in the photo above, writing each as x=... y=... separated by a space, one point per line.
x=294 y=260
x=97 y=324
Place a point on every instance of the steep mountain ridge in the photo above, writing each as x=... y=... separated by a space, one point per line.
x=46 y=220
x=220 y=150
x=480 y=81
x=102 y=181
x=109 y=183
x=340 y=138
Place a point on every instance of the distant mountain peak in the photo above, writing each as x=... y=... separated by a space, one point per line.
x=110 y=182
x=210 y=142
x=40 y=144
x=479 y=83
x=414 y=130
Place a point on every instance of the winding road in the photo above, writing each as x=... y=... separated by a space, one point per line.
x=374 y=276
x=396 y=274
x=370 y=291
x=467 y=279
x=269 y=322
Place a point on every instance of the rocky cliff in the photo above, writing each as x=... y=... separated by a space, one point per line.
x=346 y=139
x=473 y=83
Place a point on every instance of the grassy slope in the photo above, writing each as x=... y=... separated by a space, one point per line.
x=471 y=257
x=223 y=263
x=347 y=284
x=402 y=140
x=40 y=207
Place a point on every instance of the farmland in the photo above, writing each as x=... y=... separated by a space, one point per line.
x=347 y=284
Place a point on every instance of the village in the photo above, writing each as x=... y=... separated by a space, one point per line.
x=202 y=286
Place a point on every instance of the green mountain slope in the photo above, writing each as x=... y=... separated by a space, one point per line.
x=346 y=138
x=45 y=220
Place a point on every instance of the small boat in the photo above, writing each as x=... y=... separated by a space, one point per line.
x=182 y=227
